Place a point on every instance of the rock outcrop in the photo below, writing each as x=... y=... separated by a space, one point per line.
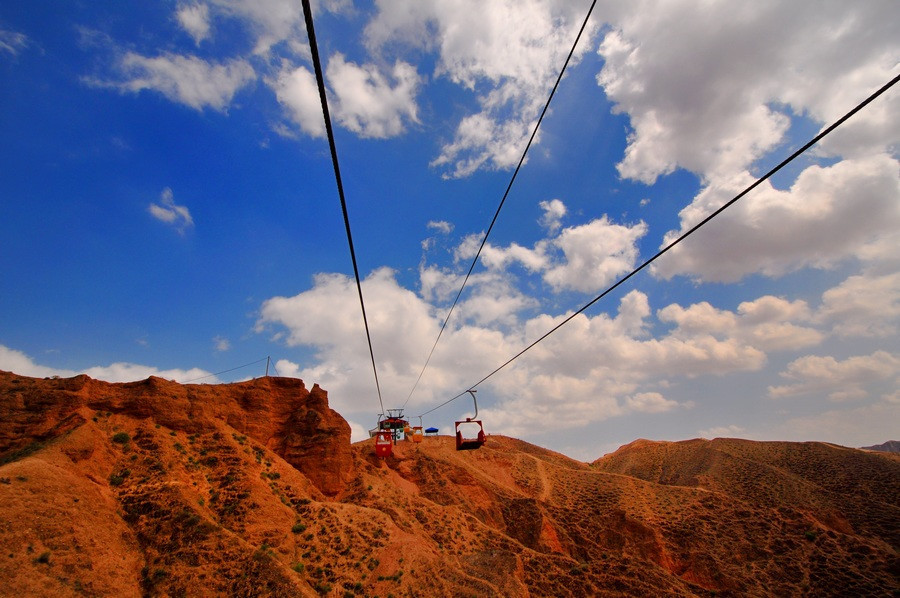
x=279 y=413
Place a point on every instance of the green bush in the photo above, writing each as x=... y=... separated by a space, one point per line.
x=118 y=478
x=298 y=528
x=121 y=438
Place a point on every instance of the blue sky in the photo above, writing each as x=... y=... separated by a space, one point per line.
x=169 y=208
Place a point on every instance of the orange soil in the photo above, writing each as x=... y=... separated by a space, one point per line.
x=216 y=491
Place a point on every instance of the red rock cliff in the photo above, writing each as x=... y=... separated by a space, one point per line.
x=279 y=413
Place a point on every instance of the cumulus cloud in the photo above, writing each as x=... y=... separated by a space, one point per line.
x=499 y=258
x=221 y=344
x=171 y=213
x=297 y=91
x=863 y=306
x=596 y=367
x=594 y=255
x=194 y=18
x=271 y=21
x=768 y=323
x=664 y=60
x=188 y=80
x=830 y=214
x=275 y=21
x=370 y=104
x=839 y=380
x=508 y=53
x=582 y=258
x=16 y=361
x=650 y=402
x=554 y=210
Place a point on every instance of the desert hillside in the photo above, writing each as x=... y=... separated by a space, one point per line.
x=155 y=488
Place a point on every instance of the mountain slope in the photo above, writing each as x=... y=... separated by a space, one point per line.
x=155 y=488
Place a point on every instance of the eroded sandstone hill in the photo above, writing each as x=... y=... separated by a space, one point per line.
x=155 y=488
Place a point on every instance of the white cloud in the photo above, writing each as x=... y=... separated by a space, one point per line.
x=863 y=305
x=583 y=258
x=274 y=21
x=722 y=431
x=830 y=214
x=271 y=21
x=595 y=254
x=596 y=367
x=296 y=90
x=767 y=323
x=366 y=101
x=358 y=432
x=507 y=52
x=188 y=80
x=171 y=213
x=554 y=210
x=194 y=18
x=492 y=299
x=440 y=226
x=499 y=258
x=840 y=380
x=221 y=343
x=12 y=41
x=650 y=402
x=673 y=68
x=18 y=362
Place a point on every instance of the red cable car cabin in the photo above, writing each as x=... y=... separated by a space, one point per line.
x=384 y=443
x=473 y=439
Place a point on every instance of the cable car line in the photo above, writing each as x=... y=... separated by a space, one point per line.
x=505 y=195
x=320 y=81
x=688 y=233
x=226 y=371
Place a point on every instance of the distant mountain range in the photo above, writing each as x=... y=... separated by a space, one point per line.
x=891 y=446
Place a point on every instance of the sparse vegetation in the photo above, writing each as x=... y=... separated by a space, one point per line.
x=118 y=478
x=21 y=453
x=121 y=438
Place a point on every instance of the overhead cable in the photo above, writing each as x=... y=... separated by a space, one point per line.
x=320 y=80
x=505 y=194
x=226 y=371
x=688 y=233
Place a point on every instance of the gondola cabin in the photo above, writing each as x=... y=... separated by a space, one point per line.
x=417 y=434
x=384 y=443
x=469 y=435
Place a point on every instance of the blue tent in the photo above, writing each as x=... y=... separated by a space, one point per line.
x=431 y=431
